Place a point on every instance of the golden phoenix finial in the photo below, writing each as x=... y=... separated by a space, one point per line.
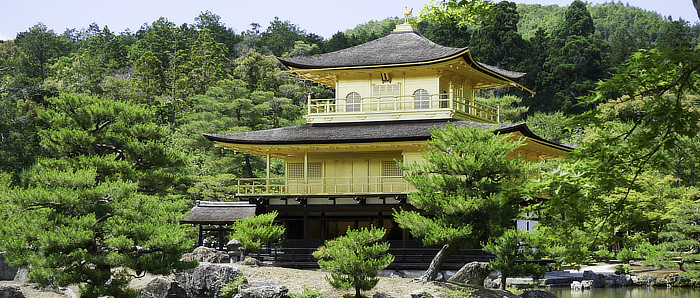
x=407 y=14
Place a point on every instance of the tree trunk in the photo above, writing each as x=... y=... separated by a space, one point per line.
x=436 y=263
x=503 y=280
x=248 y=166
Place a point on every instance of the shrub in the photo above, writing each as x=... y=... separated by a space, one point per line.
x=354 y=259
x=230 y=289
x=623 y=269
x=625 y=255
x=308 y=293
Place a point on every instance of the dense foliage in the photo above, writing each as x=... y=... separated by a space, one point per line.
x=101 y=131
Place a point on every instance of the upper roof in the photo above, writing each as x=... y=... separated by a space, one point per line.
x=389 y=131
x=398 y=48
x=218 y=213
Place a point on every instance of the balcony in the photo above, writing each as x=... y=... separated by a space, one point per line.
x=409 y=107
x=375 y=185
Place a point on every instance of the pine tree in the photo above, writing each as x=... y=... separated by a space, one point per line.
x=465 y=190
x=355 y=259
x=105 y=207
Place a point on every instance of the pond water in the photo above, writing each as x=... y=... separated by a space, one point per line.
x=628 y=292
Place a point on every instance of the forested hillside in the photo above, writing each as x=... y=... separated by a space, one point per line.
x=96 y=125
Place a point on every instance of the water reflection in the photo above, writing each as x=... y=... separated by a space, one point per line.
x=630 y=292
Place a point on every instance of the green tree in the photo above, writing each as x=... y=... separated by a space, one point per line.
x=498 y=42
x=254 y=232
x=680 y=239
x=208 y=63
x=105 y=208
x=461 y=12
x=148 y=78
x=354 y=259
x=512 y=250
x=574 y=61
x=219 y=31
x=598 y=185
x=466 y=190
x=41 y=45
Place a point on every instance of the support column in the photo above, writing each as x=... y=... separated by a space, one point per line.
x=306 y=172
x=267 y=172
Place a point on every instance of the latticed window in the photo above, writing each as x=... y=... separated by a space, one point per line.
x=391 y=169
x=353 y=102
x=315 y=170
x=421 y=99
x=385 y=90
x=295 y=170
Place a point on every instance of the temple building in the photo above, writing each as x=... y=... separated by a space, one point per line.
x=341 y=166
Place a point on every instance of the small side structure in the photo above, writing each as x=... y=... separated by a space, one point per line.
x=220 y=214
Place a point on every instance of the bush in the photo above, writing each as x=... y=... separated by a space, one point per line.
x=623 y=269
x=308 y=293
x=230 y=289
x=354 y=259
x=626 y=255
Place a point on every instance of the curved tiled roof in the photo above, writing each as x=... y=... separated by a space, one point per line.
x=392 y=131
x=399 y=47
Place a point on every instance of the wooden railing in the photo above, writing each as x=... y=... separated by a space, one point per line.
x=404 y=258
x=326 y=185
x=391 y=104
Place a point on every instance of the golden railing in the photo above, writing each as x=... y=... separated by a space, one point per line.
x=392 y=104
x=326 y=185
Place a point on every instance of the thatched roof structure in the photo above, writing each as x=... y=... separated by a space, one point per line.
x=218 y=213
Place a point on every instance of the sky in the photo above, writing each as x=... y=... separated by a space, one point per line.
x=322 y=17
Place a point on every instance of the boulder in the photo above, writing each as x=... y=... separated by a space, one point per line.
x=473 y=273
x=22 y=276
x=205 y=280
x=7 y=272
x=10 y=291
x=206 y=254
x=420 y=294
x=537 y=294
x=576 y=286
x=162 y=287
x=262 y=290
x=397 y=274
x=380 y=295
x=587 y=284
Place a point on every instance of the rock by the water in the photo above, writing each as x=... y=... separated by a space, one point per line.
x=206 y=254
x=576 y=286
x=10 y=291
x=397 y=274
x=380 y=295
x=537 y=294
x=263 y=290
x=205 y=280
x=473 y=273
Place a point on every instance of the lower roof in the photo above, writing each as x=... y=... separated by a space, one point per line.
x=364 y=132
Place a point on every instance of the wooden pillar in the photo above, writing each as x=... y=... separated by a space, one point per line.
x=267 y=172
x=200 y=242
x=306 y=228
x=306 y=172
